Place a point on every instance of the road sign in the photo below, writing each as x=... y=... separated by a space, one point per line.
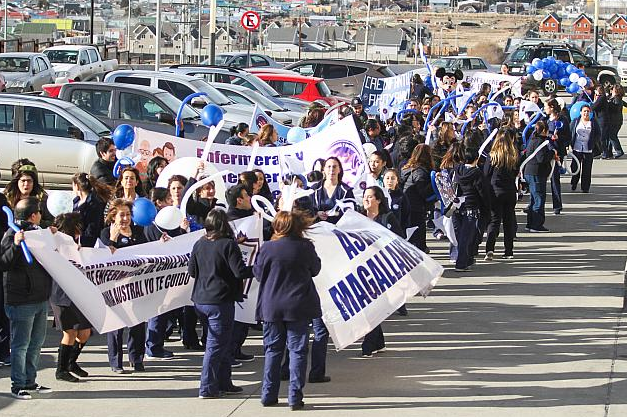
x=250 y=20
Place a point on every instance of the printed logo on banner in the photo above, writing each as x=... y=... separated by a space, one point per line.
x=351 y=158
x=250 y=248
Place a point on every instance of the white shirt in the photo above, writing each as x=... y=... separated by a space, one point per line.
x=584 y=129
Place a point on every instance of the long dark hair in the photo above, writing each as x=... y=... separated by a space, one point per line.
x=420 y=157
x=217 y=225
x=151 y=171
x=381 y=198
x=139 y=188
x=336 y=159
x=89 y=184
x=12 y=190
x=265 y=188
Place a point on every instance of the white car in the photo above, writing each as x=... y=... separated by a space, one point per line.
x=78 y=62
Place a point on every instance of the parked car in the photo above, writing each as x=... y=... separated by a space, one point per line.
x=246 y=96
x=467 y=64
x=78 y=62
x=230 y=75
x=521 y=58
x=240 y=60
x=299 y=86
x=181 y=86
x=57 y=136
x=344 y=77
x=25 y=71
x=142 y=106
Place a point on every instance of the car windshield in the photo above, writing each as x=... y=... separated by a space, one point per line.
x=62 y=57
x=323 y=89
x=264 y=101
x=386 y=72
x=520 y=55
x=214 y=95
x=12 y=64
x=222 y=59
x=90 y=121
x=255 y=83
x=443 y=63
x=174 y=103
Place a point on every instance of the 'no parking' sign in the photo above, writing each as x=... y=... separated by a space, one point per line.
x=250 y=20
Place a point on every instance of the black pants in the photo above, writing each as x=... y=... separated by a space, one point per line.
x=135 y=345
x=374 y=340
x=612 y=138
x=556 y=187
x=419 y=237
x=586 y=170
x=5 y=329
x=503 y=209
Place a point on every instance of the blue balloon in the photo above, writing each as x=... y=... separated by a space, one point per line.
x=546 y=74
x=296 y=134
x=211 y=115
x=561 y=72
x=123 y=136
x=570 y=68
x=573 y=88
x=581 y=73
x=553 y=68
x=575 y=109
x=564 y=82
x=531 y=69
x=537 y=62
x=546 y=61
x=144 y=212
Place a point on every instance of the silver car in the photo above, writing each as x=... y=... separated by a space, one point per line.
x=25 y=71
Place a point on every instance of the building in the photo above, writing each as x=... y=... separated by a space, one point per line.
x=617 y=25
x=383 y=42
x=582 y=27
x=551 y=23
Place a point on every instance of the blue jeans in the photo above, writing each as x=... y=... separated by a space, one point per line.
x=318 y=351
x=155 y=335
x=465 y=223
x=28 y=331
x=537 y=192
x=275 y=337
x=216 y=363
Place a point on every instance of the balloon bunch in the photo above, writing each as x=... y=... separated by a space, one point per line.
x=566 y=74
x=123 y=137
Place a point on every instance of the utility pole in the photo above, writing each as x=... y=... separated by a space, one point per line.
x=596 y=30
x=199 y=30
x=367 y=32
x=228 y=28
x=417 y=37
x=213 y=10
x=91 y=23
x=157 y=36
x=128 y=28
x=6 y=16
x=300 y=34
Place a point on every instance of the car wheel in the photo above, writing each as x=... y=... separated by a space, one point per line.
x=606 y=82
x=549 y=86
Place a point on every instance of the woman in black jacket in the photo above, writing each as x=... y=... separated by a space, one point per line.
x=217 y=265
x=536 y=170
x=329 y=190
x=560 y=138
x=122 y=233
x=90 y=199
x=600 y=108
x=586 y=133
x=416 y=180
x=501 y=169
x=615 y=121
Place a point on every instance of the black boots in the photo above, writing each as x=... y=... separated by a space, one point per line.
x=72 y=365
x=62 y=373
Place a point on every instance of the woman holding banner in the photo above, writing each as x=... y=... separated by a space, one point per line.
x=122 y=233
x=376 y=208
x=287 y=302
x=328 y=191
x=218 y=268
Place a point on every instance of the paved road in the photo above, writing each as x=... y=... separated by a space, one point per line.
x=540 y=335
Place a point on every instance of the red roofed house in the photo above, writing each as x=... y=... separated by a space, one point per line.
x=617 y=24
x=552 y=23
x=583 y=27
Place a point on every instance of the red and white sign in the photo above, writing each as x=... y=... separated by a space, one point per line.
x=250 y=20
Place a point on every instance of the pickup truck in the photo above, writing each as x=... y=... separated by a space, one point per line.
x=78 y=62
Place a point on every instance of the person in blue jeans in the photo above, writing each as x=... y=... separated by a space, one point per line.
x=288 y=301
x=537 y=170
x=218 y=268
x=27 y=289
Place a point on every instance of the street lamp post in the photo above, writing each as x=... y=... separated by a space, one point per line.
x=91 y=23
x=213 y=9
x=157 y=36
x=128 y=28
x=596 y=30
x=367 y=32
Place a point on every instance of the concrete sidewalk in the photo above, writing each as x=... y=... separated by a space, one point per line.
x=540 y=335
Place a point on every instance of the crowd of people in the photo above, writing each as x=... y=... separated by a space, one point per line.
x=400 y=196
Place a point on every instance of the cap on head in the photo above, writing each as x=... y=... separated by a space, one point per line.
x=356 y=102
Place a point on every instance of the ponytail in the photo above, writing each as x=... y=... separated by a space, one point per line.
x=89 y=184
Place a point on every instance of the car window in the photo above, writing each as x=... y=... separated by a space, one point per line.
x=477 y=64
x=579 y=58
x=138 y=107
x=133 y=80
x=463 y=64
x=58 y=56
x=94 y=101
x=239 y=61
x=178 y=90
x=332 y=71
x=258 y=61
x=356 y=70
x=7 y=113
x=83 y=57
x=543 y=53
x=236 y=97
x=561 y=54
x=287 y=88
x=241 y=81
x=204 y=76
x=42 y=64
x=38 y=121
x=521 y=55
x=305 y=69
x=222 y=59
x=323 y=89
x=36 y=67
x=93 y=55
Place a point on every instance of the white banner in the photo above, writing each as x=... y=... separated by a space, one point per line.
x=476 y=79
x=367 y=273
x=260 y=119
x=135 y=283
x=340 y=139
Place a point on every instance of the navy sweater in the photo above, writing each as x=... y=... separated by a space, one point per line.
x=285 y=268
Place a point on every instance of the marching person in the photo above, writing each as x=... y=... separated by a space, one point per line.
x=329 y=190
x=122 y=233
x=376 y=208
x=536 y=173
x=561 y=139
x=615 y=121
x=217 y=266
x=102 y=169
x=288 y=301
x=238 y=134
x=74 y=325
x=27 y=289
x=89 y=202
x=586 y=134
x=24 y=184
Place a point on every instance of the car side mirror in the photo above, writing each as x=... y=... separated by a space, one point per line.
x=166 y=118
x=198 y=102
x=75 y=132
x=269 y=113
x=83 y=62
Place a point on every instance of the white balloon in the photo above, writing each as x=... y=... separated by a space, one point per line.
x=537 y=75
x=574 y=77
x=582 y=81
x=60 y=202
x=169 y=218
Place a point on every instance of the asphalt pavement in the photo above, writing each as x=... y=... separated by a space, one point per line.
x=539 y=335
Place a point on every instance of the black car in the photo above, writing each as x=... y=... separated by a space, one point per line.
x=521 y=58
